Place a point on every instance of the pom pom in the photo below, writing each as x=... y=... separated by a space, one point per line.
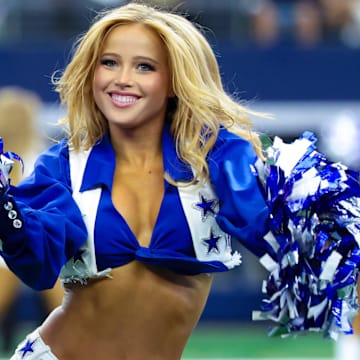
x=315 y=233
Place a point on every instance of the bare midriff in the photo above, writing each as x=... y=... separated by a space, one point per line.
x=140 y=313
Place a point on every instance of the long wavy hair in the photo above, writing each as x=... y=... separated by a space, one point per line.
x=200 y=106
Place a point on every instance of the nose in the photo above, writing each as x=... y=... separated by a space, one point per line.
x=124 y=78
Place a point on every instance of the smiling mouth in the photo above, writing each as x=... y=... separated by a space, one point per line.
x=123 y=100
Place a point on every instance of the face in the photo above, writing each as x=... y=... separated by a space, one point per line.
x=131 y=81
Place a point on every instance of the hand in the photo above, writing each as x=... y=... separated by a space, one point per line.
x=6 y=165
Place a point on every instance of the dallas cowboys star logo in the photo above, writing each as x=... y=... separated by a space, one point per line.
x=28 y=347
x=206 y=206
x=211 y=242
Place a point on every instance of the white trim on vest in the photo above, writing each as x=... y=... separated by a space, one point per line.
x=83 y=265
x=210 y=243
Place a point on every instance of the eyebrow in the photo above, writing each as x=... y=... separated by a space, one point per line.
x=138 y=58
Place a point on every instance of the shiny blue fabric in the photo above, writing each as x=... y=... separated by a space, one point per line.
x=54 y=230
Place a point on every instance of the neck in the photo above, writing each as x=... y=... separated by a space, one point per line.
x=138 y=151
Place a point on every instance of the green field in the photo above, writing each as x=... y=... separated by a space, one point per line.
x=251 y=342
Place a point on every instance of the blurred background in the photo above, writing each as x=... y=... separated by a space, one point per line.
x=296 y=59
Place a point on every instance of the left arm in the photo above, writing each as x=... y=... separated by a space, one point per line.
x=243 y=211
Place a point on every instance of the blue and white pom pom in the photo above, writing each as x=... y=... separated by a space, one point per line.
x=6 y=165
x=315 y=233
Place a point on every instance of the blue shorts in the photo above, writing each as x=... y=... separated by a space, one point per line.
x=33 y=348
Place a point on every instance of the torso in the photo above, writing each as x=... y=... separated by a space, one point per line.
x=143 y=312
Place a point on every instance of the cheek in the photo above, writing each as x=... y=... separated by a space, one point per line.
x=97 y=88
x=96 y=81
x=99 y=78
x=160 y=85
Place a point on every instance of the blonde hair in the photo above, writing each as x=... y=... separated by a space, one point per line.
x=19 y=109
x=201 y=106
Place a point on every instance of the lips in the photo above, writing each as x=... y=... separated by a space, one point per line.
x=123 y=100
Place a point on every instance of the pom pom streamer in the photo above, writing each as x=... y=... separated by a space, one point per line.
x=6 y=165
x=315 y=236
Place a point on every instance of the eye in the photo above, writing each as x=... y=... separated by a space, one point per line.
x=108 y=62
x=145 y=67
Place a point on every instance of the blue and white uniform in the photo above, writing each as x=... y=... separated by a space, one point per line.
x=49 y=226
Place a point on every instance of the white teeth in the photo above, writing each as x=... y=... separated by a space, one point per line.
x=124 y=99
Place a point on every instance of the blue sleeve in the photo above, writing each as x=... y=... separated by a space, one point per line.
x=44 y=228
x=243 y=210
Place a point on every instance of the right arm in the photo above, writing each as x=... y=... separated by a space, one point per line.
x=52 y=228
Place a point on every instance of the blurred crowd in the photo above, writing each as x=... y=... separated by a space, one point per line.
x=262 y=23
x=306 y=23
